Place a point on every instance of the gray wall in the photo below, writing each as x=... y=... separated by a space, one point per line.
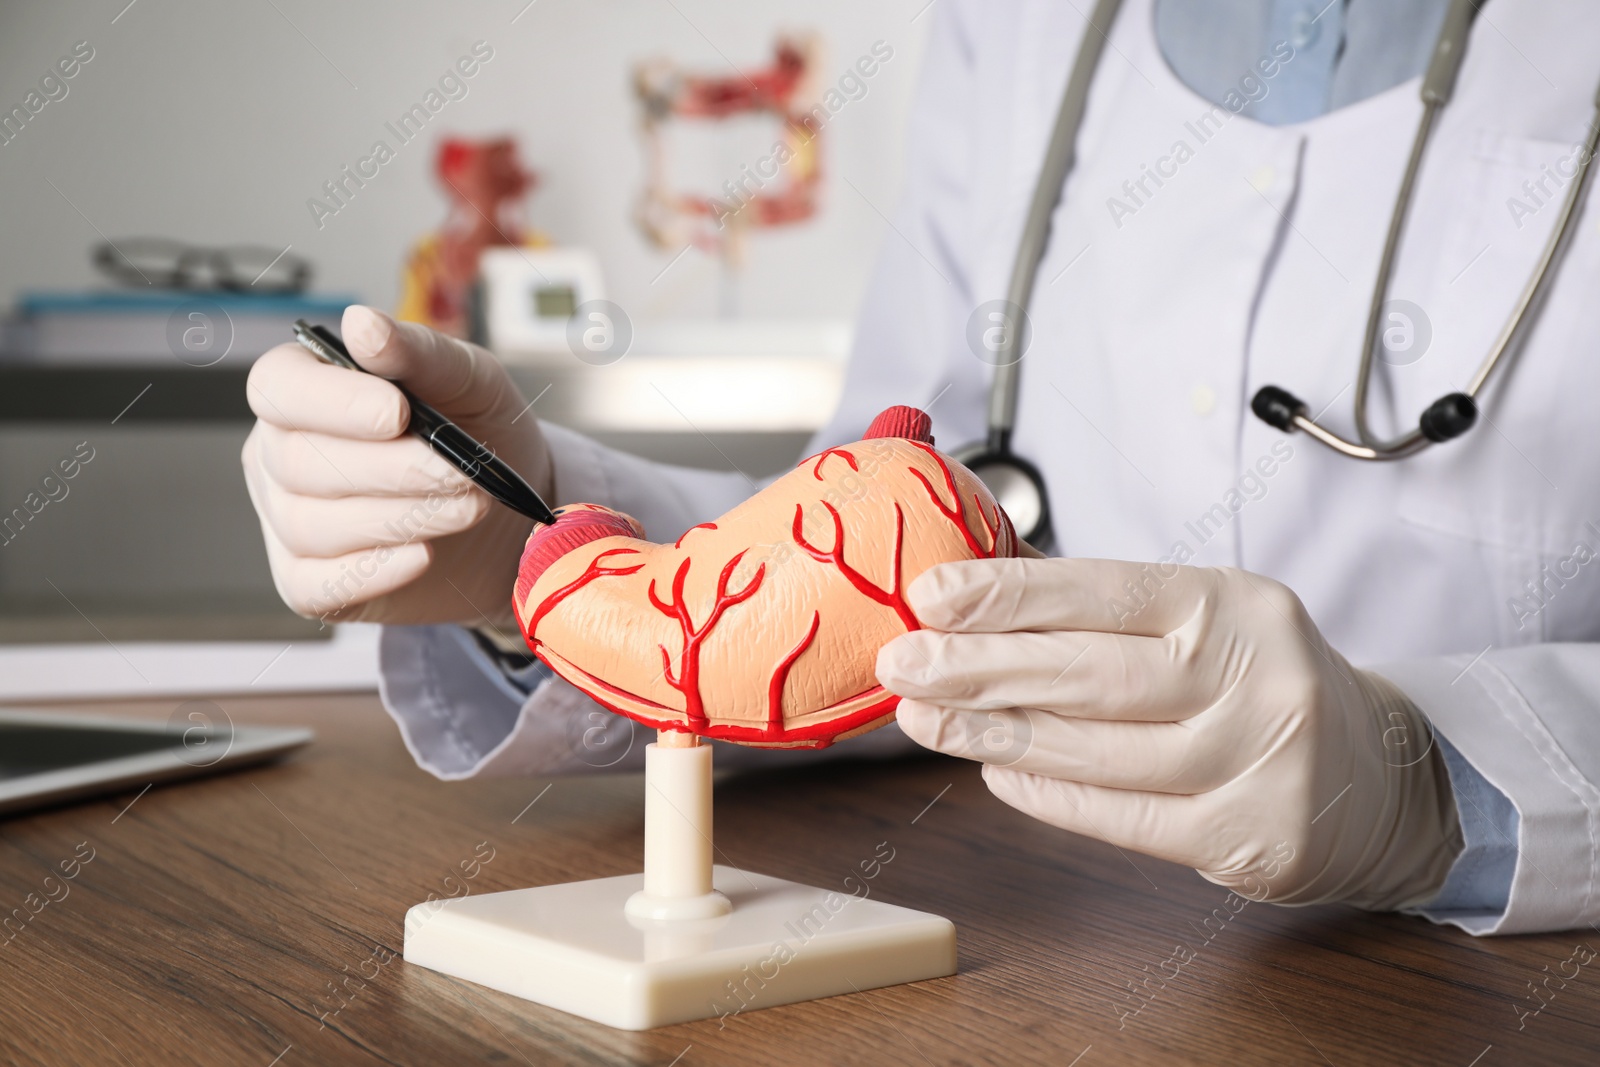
x=215 y=122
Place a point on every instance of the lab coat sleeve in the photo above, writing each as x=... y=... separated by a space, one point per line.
x=666 y=500
x=464 y=714
x=1526 y=720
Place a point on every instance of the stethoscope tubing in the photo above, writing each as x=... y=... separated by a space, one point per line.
x=1059 y=156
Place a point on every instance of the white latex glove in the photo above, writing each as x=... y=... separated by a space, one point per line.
x=1196 y=715
x=362 y=520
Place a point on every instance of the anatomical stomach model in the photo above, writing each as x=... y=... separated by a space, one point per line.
x=763 y=627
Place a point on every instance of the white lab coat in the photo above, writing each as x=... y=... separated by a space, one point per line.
x=1252 y=263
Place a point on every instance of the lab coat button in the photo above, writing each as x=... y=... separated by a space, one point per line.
x=1303 y=30
x=1203 y=399
x=1262 y=179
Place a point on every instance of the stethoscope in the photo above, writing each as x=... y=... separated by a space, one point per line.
x=1018 y=485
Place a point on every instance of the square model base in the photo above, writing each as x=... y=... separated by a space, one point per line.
x=572 y=947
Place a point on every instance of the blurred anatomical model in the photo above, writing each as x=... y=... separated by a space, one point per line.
x=486 y=184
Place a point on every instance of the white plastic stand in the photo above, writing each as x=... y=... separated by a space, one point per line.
x=684 y=940
x=677 y=836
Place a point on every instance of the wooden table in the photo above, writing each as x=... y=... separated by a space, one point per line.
x=217 y=919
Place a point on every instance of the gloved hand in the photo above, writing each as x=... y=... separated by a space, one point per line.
x=362 y=520
x=1196 y=715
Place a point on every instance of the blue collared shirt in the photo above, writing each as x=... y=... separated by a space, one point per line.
x=1343 y=50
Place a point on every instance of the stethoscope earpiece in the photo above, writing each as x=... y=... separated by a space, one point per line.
x=1277 y=407
x=1448 y=417
x=1444 y=420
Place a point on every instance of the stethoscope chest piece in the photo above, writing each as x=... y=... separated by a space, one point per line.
x=1016 y=485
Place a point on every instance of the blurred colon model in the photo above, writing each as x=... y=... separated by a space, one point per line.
x=486 y=184
x=778 y=189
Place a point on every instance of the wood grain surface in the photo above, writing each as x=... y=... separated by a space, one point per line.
x=255 y=918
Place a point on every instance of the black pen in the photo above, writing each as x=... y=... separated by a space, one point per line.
x=466 y=455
